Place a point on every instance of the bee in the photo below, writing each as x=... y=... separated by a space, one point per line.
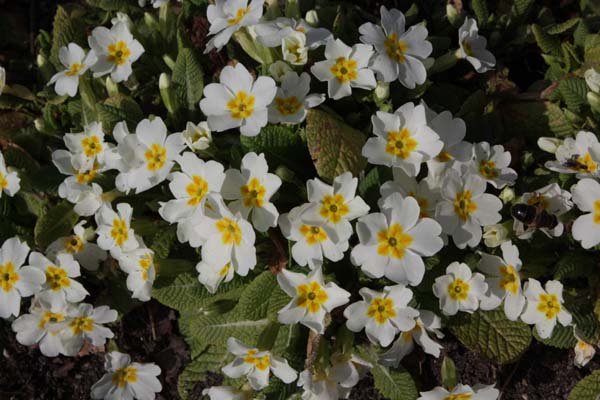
x=574 y=163
x=533 y=216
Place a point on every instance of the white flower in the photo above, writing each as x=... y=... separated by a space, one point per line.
x=592 y=78
x=312 y=299
x=465 y=208
x=404 y=345
x=549 y=144
x=16 y=281
x=423 y=191
x=348 y=369
x=459 y=289
x=84 y=322
x=227 y=393
x=251 y=189
x=76 y=184
x=278 y=70
x=10 y=183
x=271 y=33
x=503 y=280
x=77 y=63
x=88 y=148
x=256 y=365
x=321 y=386
x=116 y=50
x=344 y=68
x=227 y=238
x=154 y=154
x=89 y=199
x=578 y=156
x=89 y=255
x=127 y=380
x=60 y=285
x=491 y=163
x=495 y=235
x=392 y=242
x=584 y=352
x=400 y=52
x=402 y=139
x=293 y=48
x=212 y=275
x=227 y=16
x=472 y=47
x=462 y=392
x=314 y=237
x=552 y=199
x=141 y=272
x=114 y=229
x=155 y=3
x=197 y=181
x=238 y=101
x=545 y=307
x=586 y=228
x=382 y=314
x=42 y=326
x=121 y=17
x=197 y=137
x=292 y=99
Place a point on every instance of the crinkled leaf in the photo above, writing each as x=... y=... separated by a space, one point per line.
x=587 y=389
x=562 y=337
x=56 y=222
x=119 y=108
x=188 y=79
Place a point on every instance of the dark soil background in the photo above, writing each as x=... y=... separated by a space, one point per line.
x=149 y=332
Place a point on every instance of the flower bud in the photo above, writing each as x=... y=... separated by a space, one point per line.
x=592 y=78
x=495 y=235
x=382 y=91
x=549 y=144
x=278 y=69
x=594 y=100
x=166 y=93
x=286 y=174
x=452 y=15
x=312 y=17
x=507 y=195
x=111 y=87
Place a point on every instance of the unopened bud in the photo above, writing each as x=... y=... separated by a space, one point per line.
x=382 y=91
x=111 y=87
x=549 y=144
x=452 y=15
x=166 y=93
x=278 y=69
x=312 y=17
x=594 y=100
x=286 y=174
x=507 y=195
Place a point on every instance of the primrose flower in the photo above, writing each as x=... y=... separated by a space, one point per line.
x=212 y=275
x=116 y=50
x=271 y=33
x=393 y=241
x=10 y=183
x=278 y=70
x=382 y=314
x=227 y=393
x=293 y=48
x=238 y=101
x=578 y=156
x=74 y=187
x=227 y=16
x=459 y=289
x=197 y=136
x=88 y=199
x=141 y=271
x=76 y=63
x=127 y=380
x=348 y=369
x=552 y=199
x=256 y=365
x=465 y=208
x=462 y=392
x=586 y=228
x=251 y=189
x=88 y=148
x=592 y=79
x=423 y=191
x=16 y=281
x=292 y=100
x=545 y=307
x=491 y=163
x=404 y=345
x=60 y=285
x=495 y=235
x=503 y=280
x=87 y=254
x=312 y=299
x=84 y=322
x=584 y=352
x=344 y=68
x=402 y=139
x=321 y=386
x=400 y=52
x=114 y=229
x=472 y=47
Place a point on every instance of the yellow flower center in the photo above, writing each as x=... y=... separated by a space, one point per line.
x=156 y=157
x=462 y=396
x=597 y=211
x=8 y=276
x=381 y=309
x=73 y=244
x=239 y=14
x=393 y=242
x=230 y=231
x=311 y=296
x=241 y=106
x=538 y=200
x=197 y=189
x=261 y=363
x=488 y=170
x=118 y=53
x=57 y=278
x=199 y=135
x=444 y=156
x=549 y=305
x=509 y=279
x=87 y=176
x=223 y=272
x=344 y=70
x=395 y=48
x=81 y=324
x=458 y=289
x=294 y=50
x=74 y=69
x=254 y=193
x=145 y=262
x=400 y=143
x=586 y=164
x=51 y=317
x=313 y=234
x=3 y=181
x=119 y=231
x=463 y=205
x=287 y=106
x=91 y=145
x=334 y=207
x=124 y=376
x=467 y=48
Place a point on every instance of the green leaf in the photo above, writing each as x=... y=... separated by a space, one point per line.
x=255 y=50
x=281 y=144
x=562 y=337
x=56 y=222
x=335 y=147
x=557 y=29
x=522 y=8
x=65 y=30
x=449 y=376
x=119 y=108
x=209 y=360
x=587 y=389
x=574 y=92
x=188 y=79
x=492 y=334
x=549 y=44
x=163 y=241
x=592 y=49
x=481 y=11
x=573 y=265
x=557 y=121
x=112 y=5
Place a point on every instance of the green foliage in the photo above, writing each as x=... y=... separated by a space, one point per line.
x=119 y=108
x=64 y=31
x=562 y=337
x=587 y=389
x=188 y=79
x=395 y=384
x=54 y=223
